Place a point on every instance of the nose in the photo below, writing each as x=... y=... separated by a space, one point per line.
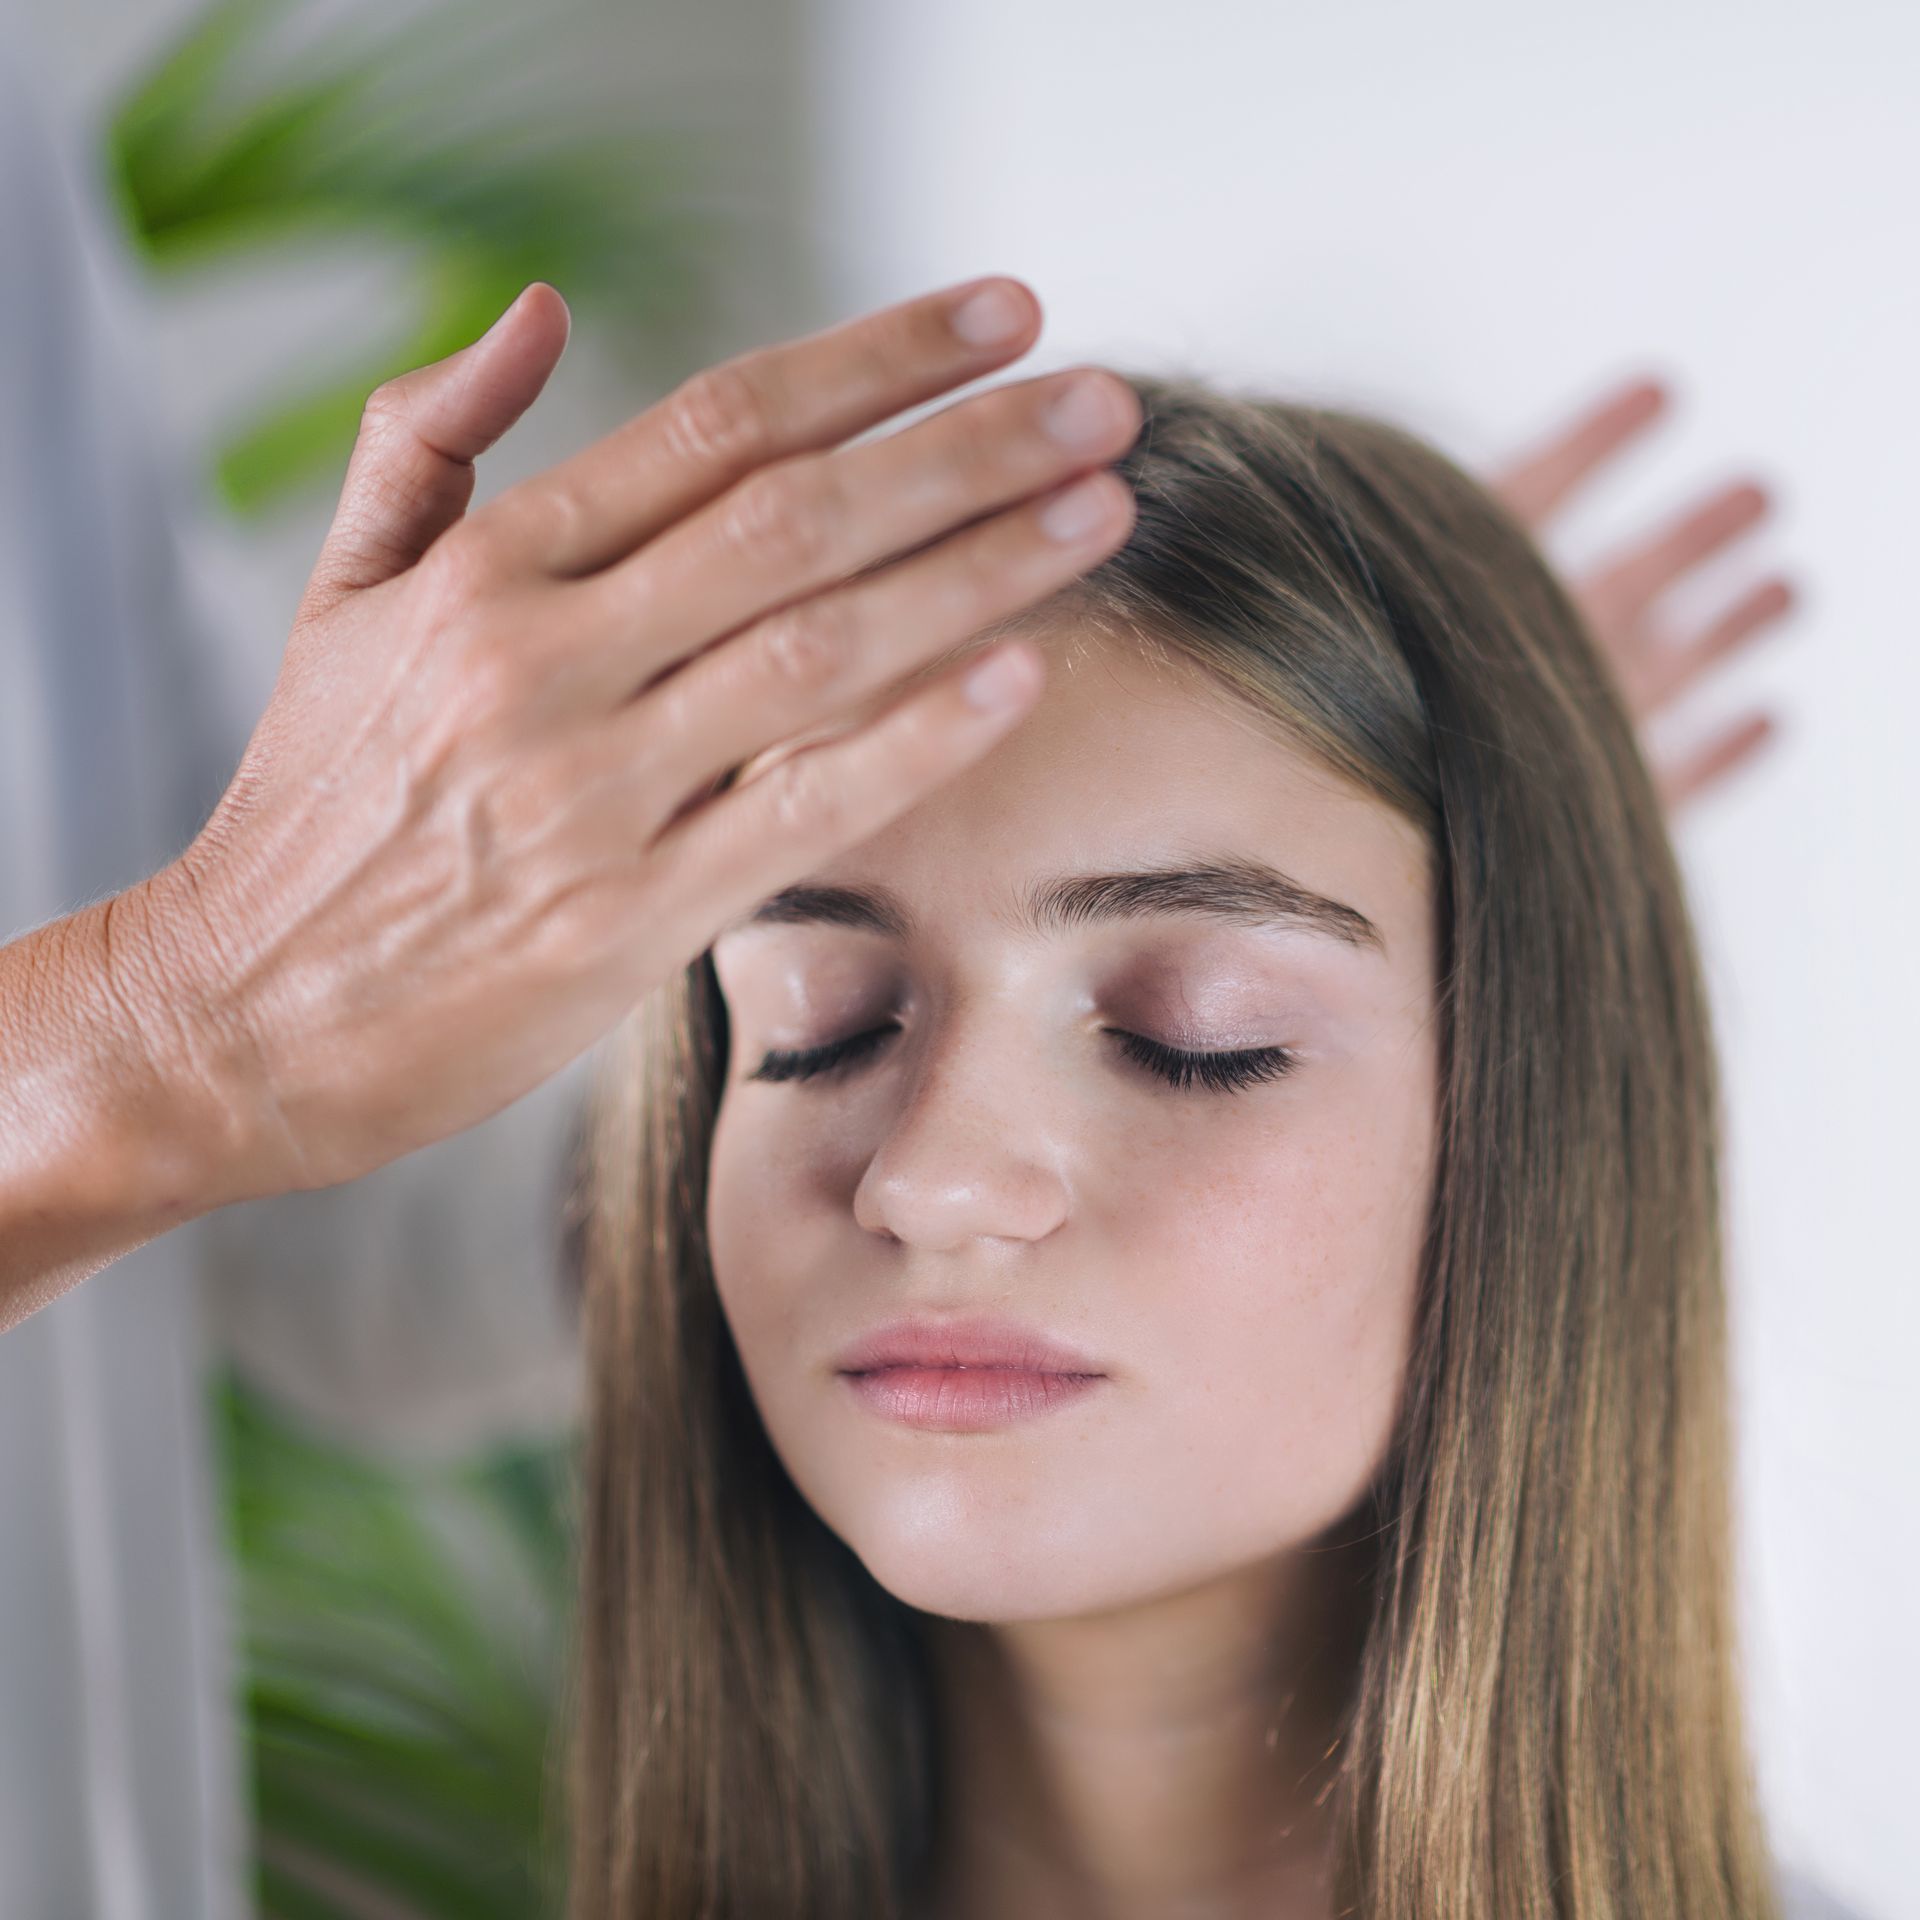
x=970 y=1152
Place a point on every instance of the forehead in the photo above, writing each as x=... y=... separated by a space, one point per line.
x=1131 y=757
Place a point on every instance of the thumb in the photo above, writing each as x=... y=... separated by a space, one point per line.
x=410 y=476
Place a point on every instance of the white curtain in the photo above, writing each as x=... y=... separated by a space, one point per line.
x=117 y=1760
x=413 y=1307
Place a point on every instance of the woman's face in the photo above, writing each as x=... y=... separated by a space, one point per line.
x=1240 y=1264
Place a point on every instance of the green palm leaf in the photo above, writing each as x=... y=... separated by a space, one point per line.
x=401 y=1631
x=258 y=129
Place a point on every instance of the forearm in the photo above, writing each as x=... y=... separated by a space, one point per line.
x=109 y=1134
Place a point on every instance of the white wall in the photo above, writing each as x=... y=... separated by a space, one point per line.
x=1474 y=218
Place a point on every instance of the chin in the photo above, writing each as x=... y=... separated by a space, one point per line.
x=991 y=1596
x=1024 y=1564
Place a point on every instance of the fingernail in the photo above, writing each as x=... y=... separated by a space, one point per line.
x=511 y=306
x=1074 y=514
x=999 y=681
x=989 y=316
x=1082 y=418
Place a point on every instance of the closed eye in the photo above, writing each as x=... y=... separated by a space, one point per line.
x=1179 y=1068
x=810 y=1062
x=1220 y=1072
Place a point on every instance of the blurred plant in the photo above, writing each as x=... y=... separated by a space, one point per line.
x=403 y=1633
x=263 y=125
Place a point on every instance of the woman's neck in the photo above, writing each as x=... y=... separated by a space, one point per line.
x=1165 y=1758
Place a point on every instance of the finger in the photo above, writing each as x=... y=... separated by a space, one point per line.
x=802 y=526
x=411 y=475
x=828 y=658
x=1535 y=484
x=1668 y=671
x=1623 y=587
x=1708 y=766
x=725 y=857
x=797 y=397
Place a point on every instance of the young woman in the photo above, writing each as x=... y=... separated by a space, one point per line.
x=1157 y=1327
x=1275 y=1089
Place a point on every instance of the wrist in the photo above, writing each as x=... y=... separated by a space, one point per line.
x=162 y=1142
x=91 y=1160
x=196 y=1079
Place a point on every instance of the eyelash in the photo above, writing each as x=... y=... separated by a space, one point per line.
x=1217 y=1072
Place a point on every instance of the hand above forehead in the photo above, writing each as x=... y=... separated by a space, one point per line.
x=481 y=817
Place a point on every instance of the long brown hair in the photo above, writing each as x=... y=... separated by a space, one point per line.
x=1545 y=1714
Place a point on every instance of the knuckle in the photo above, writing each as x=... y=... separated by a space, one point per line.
x=782 y=517
x=388 y=402
x=721 y=414
x=673 y=706
x=805 y=647
x=807 y=801
x=495 y=678
x=559 y=516
x=574 y=922
x=457 y=563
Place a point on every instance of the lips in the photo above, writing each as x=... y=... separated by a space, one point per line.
x=924 y=1343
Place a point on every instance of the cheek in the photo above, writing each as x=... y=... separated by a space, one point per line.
x=761 y=1225
x=1276 y=1270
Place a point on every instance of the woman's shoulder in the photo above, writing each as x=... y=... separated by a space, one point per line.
x=1803 y=1898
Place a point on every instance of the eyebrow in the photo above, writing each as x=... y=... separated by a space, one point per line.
x=1239 y=892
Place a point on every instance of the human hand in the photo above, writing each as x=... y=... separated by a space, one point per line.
x=1654 y=668
x=481 y=815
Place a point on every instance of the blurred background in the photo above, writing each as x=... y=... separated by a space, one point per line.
x=1473 y=218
